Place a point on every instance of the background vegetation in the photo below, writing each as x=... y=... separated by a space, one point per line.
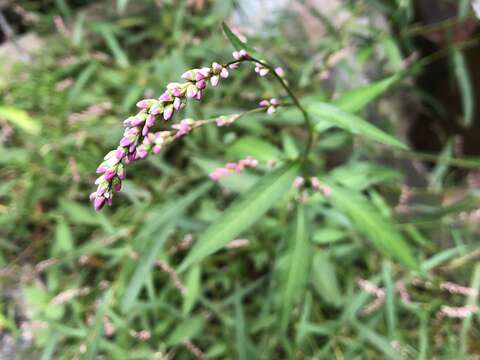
x=386 y=267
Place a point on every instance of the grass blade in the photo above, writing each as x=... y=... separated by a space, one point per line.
x=297 y=267
x=351 y=123
x=356 y=99
x=243 y=213
x=465 y=85
x=151 y=252
x=377 y=228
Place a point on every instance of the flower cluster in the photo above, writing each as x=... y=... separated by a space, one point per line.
x=233 y=167
x=271 y=105
x=139 y=140
x=315 y=183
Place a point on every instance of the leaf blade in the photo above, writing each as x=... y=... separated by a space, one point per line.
x=242 y=214
x=352 y=123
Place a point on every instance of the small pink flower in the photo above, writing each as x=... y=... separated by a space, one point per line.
x=298 y=182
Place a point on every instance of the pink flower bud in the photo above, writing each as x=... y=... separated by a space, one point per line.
x=264 y=103
x=101 y=169
x=274 y=102
x=168 y=112
x=189 y=75
x=177 y=104
x=271 y=110
x=298 y=182
x=201 y=84
x=279 y=71
x=135 y=121
x=224 y=73
x=154 y=110
x=120 y=153
x=191 y=91
x=117 y=186
x=157 y=149
x=99 y=202
x=199 y=95
x=166 y=96
x=126 y=141
x=233 y=66
x=263 y=71
x=214 y=80
x=110 y=174
x=143 y=104
x=216 y=67
x=150 y=121
x=221 y=122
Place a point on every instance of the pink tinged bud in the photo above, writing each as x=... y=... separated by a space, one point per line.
x=315 y=183
x=145 y=131
x=263 y=71
x=135 y=121
x=298 y=182
x=264 y=103
x=233 y=66
x=117 y=187
x=119 y=153
x=199 y=95
x=201 y=84
x=142 y=152
x=279 y=71
x=199 y=76
x=217 y=67
x=99 y=202
x=224 y=73
x=166 y=96
x=221 y=122
x=271 y=110
x=101 y=169
x=157 y=149
x=126 y=141
x=214 y=80
x=143 y=104
x=131 y=148
x=121 y=172
x=243 y=54
x=191 y=91
x=177 y=104
x=236 y=55
x=92 y=196
x=110 y=174
x=189 y=75
x=154 y=110
x=274 y=102
x=168 y=112
x=100 y=180
x=231 y=166
x=150 y=121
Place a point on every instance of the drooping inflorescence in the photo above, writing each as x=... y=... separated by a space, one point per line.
x=139 y=139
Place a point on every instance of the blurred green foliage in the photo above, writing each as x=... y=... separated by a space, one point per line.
x=88 y=283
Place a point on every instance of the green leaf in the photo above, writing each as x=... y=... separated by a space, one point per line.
x=253 y=146
x=349 y=122
x=20 y=119
x=96 y=335
x=150 y=252
x=120 y=56
x=243 y=213
x=186 y=330
x=63 y=238
x=236 y=42
x=465 y=84
x=297 y=267
x=370 y=222
x=192 y=284
x=324 y=279
x=358 y=98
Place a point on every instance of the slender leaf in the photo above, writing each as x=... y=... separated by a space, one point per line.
x=151 y=252
x=325 y=112
x=297 y=266
x=236 y=42
x=465 y=84
x=356 y=99
x=369 y=221
x=97 y=334
x=243 y=213
x=20 y=119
